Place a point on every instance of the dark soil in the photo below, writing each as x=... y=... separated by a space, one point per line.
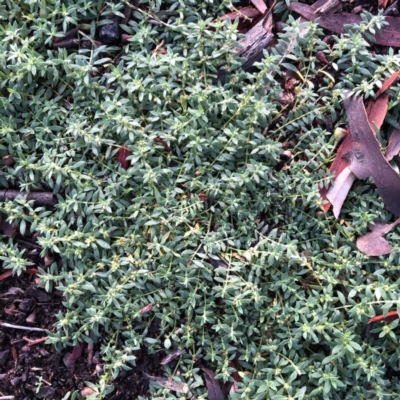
x=22 y=365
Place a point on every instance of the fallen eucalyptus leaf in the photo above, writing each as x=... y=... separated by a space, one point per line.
x=366 y=158
x=374 y=243
x=213 y=388
x=376 y=112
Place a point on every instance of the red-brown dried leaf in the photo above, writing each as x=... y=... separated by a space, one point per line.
x=245 y=16
x=162 y=142
x=377 y=110
x=14 y=353
x=366 y=158
x=382 y=3
x=389 y=36
x=172 y=356
x=5 y=275
x=213 y=388
x=260 y=5
x=373 y=243
x=321 y=57
x=122 y=155
x=393 y=148
x=146 y=309
x=390 y=317
x=387 y=84
x=8 y=160
x=70 y=358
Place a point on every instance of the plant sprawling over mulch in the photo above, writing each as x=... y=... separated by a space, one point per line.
x=175 y=193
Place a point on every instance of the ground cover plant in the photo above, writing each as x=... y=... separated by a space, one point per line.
x=175 y=198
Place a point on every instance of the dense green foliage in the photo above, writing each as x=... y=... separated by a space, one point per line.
x=235 y=256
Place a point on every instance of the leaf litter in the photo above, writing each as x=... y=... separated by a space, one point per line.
x=389 y=36
x=213 y=388
x=366 y=159
x=374 y=243
x=257 y=39
x=376 y=111
x=393 y=148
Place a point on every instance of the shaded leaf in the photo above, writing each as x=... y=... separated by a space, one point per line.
x=213 y=388
x=366 y=158
x=393 y=148
x=374 y=243
x=179 y=387
x=172 y=356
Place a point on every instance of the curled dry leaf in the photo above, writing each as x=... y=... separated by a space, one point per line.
x=162 y=142
x=179 y=387
x=374 y=243
x=10 y=309
x=366 y=158
x=393 y=148
x=122 y=155
x=172 y=356
x=391 y=316
x=146 y=309
x=213 y=388
x=70 y=358
x=14 y=352
x=87 y=391
x=338 y=165
x=338 y=192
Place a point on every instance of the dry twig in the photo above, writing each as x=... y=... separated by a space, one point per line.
x=23 y=328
